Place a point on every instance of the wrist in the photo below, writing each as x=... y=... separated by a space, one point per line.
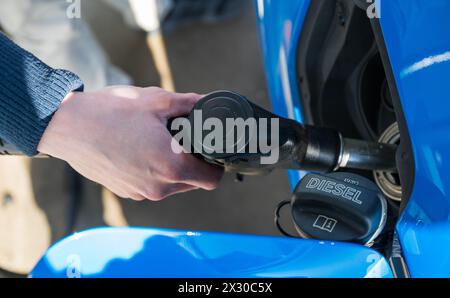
x=58 y=130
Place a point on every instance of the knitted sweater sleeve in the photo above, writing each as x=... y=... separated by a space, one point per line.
x=30 y=93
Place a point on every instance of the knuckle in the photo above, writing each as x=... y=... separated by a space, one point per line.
x=171 y=99
x=119 y=194
x=155 y=195
x=136 y=197
x=214 y=180
x=194 y=96
x=174 y=177
x=212 y=185
x=162 y=93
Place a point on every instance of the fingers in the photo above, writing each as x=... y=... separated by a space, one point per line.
x=156 y=193
x=192 y=170
x=179 y=188
x=199 y=173
x=188 y=169
x=163 y=191
x=124 y=194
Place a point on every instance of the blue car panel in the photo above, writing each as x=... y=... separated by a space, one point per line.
x=417 y=35
x=280 y=24
x=143 y=252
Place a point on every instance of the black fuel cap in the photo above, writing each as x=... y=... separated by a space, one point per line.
x=339 y=207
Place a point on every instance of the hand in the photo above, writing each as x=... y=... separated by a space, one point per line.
x=118 y=138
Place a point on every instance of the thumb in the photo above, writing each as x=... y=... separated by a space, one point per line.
x=181 y=104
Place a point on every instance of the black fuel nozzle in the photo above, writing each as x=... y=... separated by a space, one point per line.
x=227 y=129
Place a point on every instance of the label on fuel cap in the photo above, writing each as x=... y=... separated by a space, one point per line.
x=338 y=206
x=337 y=189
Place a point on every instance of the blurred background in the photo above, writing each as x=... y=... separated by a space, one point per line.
x=186 y=47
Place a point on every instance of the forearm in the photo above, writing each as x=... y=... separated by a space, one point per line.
x=30 y=93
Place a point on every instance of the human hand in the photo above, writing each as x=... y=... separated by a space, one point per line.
x=118 y=137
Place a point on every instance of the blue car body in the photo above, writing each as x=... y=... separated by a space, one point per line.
x=145 y=252
x=416 y=36
x=418 y=50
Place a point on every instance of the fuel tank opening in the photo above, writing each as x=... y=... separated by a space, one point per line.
x=387 y=181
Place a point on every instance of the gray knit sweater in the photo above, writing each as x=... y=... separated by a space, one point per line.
x=30 y=93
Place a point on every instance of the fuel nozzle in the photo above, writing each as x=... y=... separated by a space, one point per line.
x=227 y=129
